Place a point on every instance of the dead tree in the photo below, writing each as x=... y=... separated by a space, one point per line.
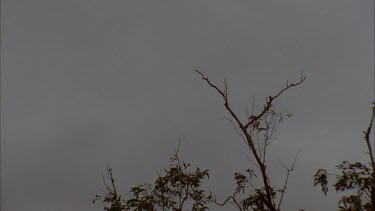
x=257 y=131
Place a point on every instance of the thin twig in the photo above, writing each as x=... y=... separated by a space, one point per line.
x=226 y=201
x=286 y=179
x=270 y=99
x=367 y=138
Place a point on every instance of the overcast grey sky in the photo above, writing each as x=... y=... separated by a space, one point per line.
x=86 y=82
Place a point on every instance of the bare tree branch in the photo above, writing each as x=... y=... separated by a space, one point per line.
x=367 y=137
x=224 y=94
x=226 y=201
x=271 y=99
x=286 y=179
x=254 y=121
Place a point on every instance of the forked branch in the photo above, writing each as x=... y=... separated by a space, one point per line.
x=255 y=121
x=270 y=100
x=289 y=170
x=224 y=94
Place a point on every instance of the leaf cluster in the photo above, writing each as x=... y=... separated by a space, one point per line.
x=246 y=196
x=354 y=178
x=176 y=189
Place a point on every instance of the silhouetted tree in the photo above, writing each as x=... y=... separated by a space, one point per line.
x=177 y=189
x=256 y=130
x=357 y=179
x=180 y=189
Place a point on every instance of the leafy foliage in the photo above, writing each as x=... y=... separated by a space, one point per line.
x=112 y=201
x=180 y=189
x=356 y=179
x=177 y=189
x=320 y=178
x=254 y=199
x=247 y=196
